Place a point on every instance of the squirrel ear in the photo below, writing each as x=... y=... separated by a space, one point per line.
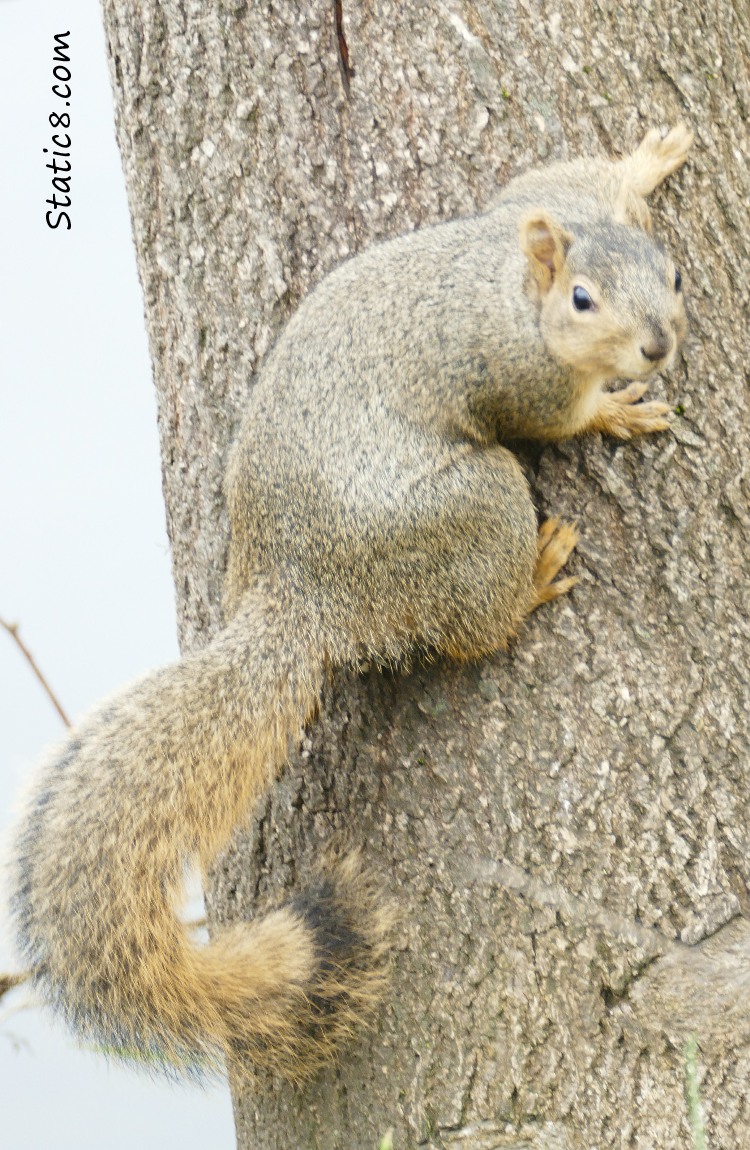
x=545 y=243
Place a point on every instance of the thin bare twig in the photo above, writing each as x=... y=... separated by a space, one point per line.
x=12 y=629
x=9 y=981
x=29 y=1000
x=347 y=72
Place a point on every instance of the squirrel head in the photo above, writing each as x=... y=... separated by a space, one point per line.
x=610 y=299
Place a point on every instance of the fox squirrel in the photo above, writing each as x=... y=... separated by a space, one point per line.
x=373 y=511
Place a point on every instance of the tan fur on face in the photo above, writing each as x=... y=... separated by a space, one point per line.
x=607 y=341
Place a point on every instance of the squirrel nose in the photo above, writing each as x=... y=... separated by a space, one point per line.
x=658 y=347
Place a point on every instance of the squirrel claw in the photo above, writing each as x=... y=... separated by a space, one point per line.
x=657 y=156
x=672 y=148
x=642 y=418
x=555 y=542
x=621 y=415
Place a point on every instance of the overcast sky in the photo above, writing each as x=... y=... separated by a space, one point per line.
x=85 y=565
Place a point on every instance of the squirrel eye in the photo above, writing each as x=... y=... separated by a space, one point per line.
x=582 y=301
x=677 y=280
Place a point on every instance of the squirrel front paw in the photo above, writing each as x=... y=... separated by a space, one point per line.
x=620 y=414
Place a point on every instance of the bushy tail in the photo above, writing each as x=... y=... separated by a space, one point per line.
x=158 y=778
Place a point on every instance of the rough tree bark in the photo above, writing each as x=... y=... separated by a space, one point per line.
x=565 y=827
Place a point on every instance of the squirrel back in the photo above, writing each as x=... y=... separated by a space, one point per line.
x=373 y=510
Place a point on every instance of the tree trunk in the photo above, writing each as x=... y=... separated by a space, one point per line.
x=564 y=827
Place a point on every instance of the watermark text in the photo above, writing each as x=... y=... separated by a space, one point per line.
x=60 y=154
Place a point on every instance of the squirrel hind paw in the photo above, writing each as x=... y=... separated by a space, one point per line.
x=555 y=542
x=657 y=156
